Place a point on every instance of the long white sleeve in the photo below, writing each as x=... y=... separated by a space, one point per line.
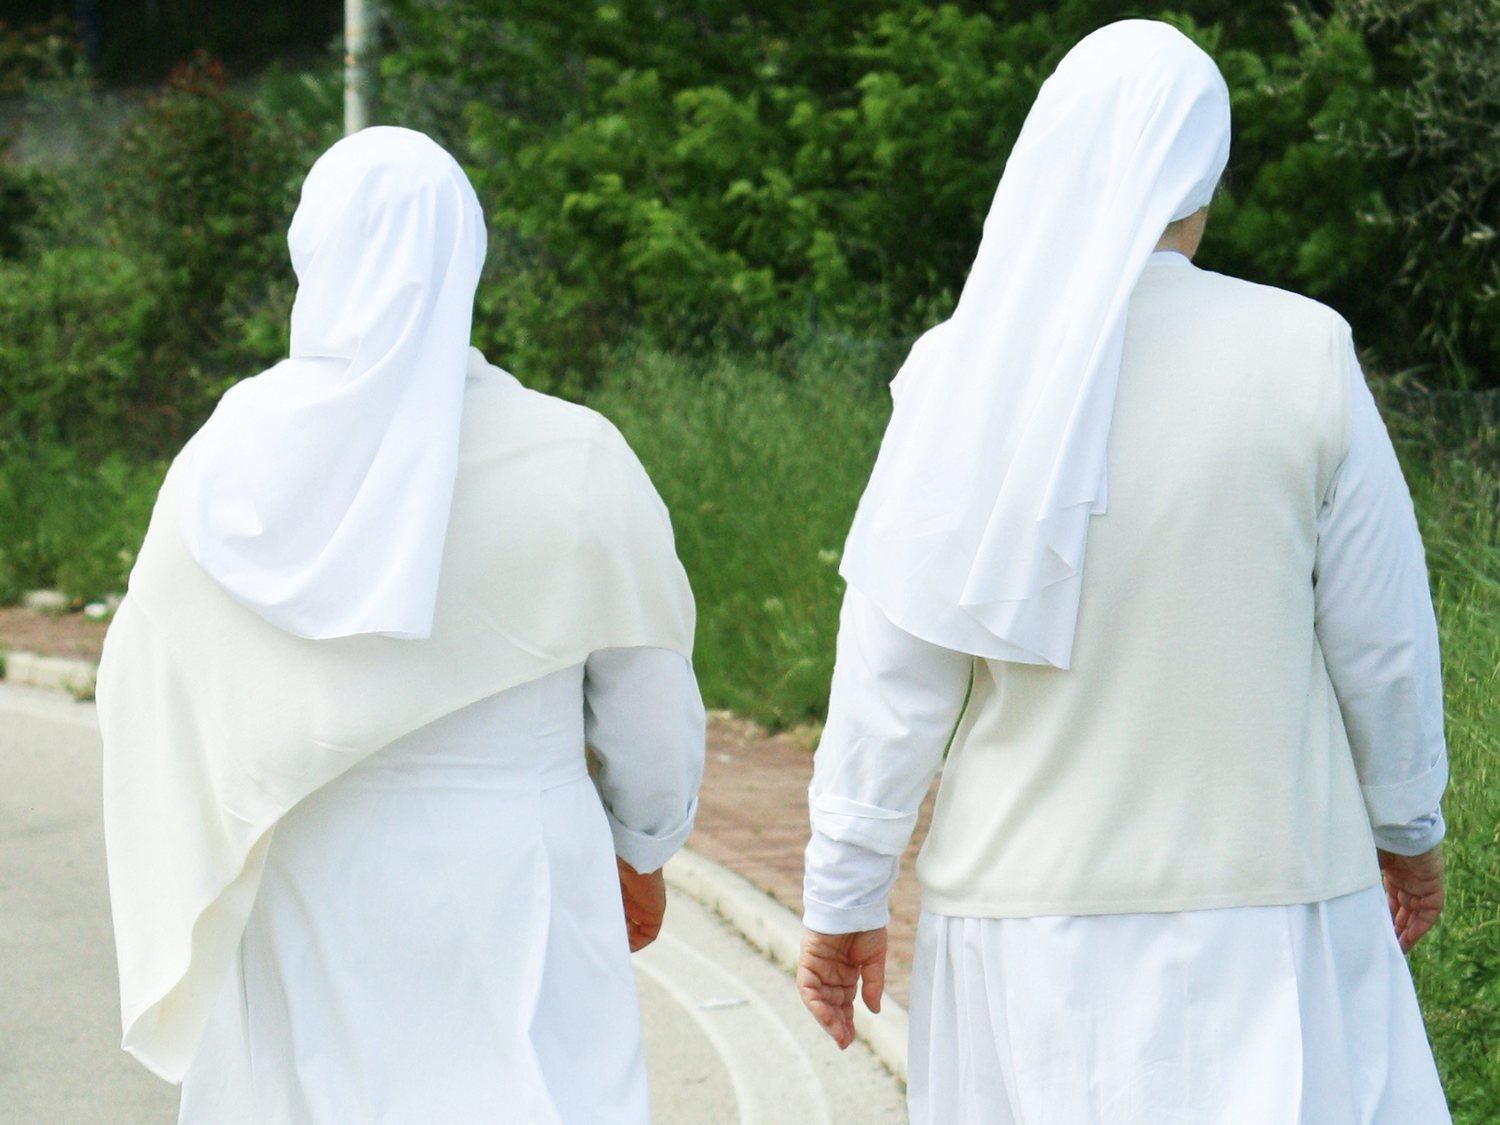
x=644 y=720
x=892 y=707
x=1379 y=637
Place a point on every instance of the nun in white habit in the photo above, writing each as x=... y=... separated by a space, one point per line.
x=359 y=869
x=1137 y=541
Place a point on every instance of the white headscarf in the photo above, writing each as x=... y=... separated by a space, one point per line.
x=972 y=530
x=318 y=494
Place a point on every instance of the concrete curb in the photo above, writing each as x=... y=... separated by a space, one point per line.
x=760 y=919
x=55 y=673
x=777 y=932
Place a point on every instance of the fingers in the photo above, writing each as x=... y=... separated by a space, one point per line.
x=874 y=983
x=645 y=902
x=832 y=1008
x=832 y=969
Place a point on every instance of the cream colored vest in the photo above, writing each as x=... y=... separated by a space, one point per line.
x=1194 y=756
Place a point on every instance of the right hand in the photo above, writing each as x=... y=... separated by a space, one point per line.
x=1414 y=890
x=645 y=898
x=831 y=969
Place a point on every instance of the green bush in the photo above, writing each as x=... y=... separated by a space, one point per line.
x=203 y=187
x=1433 y=138
x=162 y=276
x=76 y=324
x=35 y=52
x=72 y=522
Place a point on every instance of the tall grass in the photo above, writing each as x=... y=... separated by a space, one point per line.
x=69 y=520
x=762 y=473
x=1450 y=447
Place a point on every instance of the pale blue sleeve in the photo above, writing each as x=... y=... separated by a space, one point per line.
x=1378 y=633
x=644 y=720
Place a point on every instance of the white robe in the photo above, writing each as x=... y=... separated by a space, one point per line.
x=438 y=933
x=217 y=724
x=1251 y=1015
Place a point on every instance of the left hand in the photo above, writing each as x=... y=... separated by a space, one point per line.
x=645 y=899
x=829 y=971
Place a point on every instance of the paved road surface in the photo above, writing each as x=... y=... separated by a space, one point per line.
x=726 y=1039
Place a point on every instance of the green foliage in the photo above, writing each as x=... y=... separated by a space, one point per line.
x=1450 y=447
x=18 y=209
x=72 y=522
x=1434 y=139
x=37 y=52
x=160 y=274
x=75 y=327
x=713 y=175
x=200 y=185
x=761 y=474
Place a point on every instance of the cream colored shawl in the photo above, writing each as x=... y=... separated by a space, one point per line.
x=216 y=722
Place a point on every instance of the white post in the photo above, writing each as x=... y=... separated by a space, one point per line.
x=361 y=63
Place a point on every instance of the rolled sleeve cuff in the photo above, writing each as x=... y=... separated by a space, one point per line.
x=1403 y=802
x=649 y=851
x=876 y=829
x=1421 y=835
x=827 y=919
x=846 y=888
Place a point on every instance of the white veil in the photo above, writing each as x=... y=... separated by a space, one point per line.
x=318 y=493
x=972 y=530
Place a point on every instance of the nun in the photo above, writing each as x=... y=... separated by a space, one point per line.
x=359 y=865
x=1136 y=541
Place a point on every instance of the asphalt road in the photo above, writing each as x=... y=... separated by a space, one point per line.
x=726 y=1038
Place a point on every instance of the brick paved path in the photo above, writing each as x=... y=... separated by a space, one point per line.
x=752 y=818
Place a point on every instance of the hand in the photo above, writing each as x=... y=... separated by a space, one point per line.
x=1414 y=890
x=645 y=904
x=828 y=972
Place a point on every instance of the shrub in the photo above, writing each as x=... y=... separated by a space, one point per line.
x=1433 y=137
x=163 y=276
x=204 y=187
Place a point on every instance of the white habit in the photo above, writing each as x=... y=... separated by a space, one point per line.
x=1137 y=997
x=374 y=870
x=1137 y=544
x=438 y=933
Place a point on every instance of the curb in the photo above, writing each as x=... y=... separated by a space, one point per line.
x=759 y=919
x=54 y=673
x=777 y=932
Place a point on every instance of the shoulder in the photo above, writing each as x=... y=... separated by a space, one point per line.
x=504 y=420
x=1271 y=314
x=500 y=411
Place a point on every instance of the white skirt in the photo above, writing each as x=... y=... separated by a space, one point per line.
x=1277 y=1015
x=439 y=938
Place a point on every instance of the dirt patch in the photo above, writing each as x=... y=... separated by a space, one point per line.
x=68 y=634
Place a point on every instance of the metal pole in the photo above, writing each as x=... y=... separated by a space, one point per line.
x=361 y=64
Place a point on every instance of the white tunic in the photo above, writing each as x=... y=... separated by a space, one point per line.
x=439 y=934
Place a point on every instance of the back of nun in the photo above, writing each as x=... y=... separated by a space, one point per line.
x=359 y=869
x=1137 y=541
